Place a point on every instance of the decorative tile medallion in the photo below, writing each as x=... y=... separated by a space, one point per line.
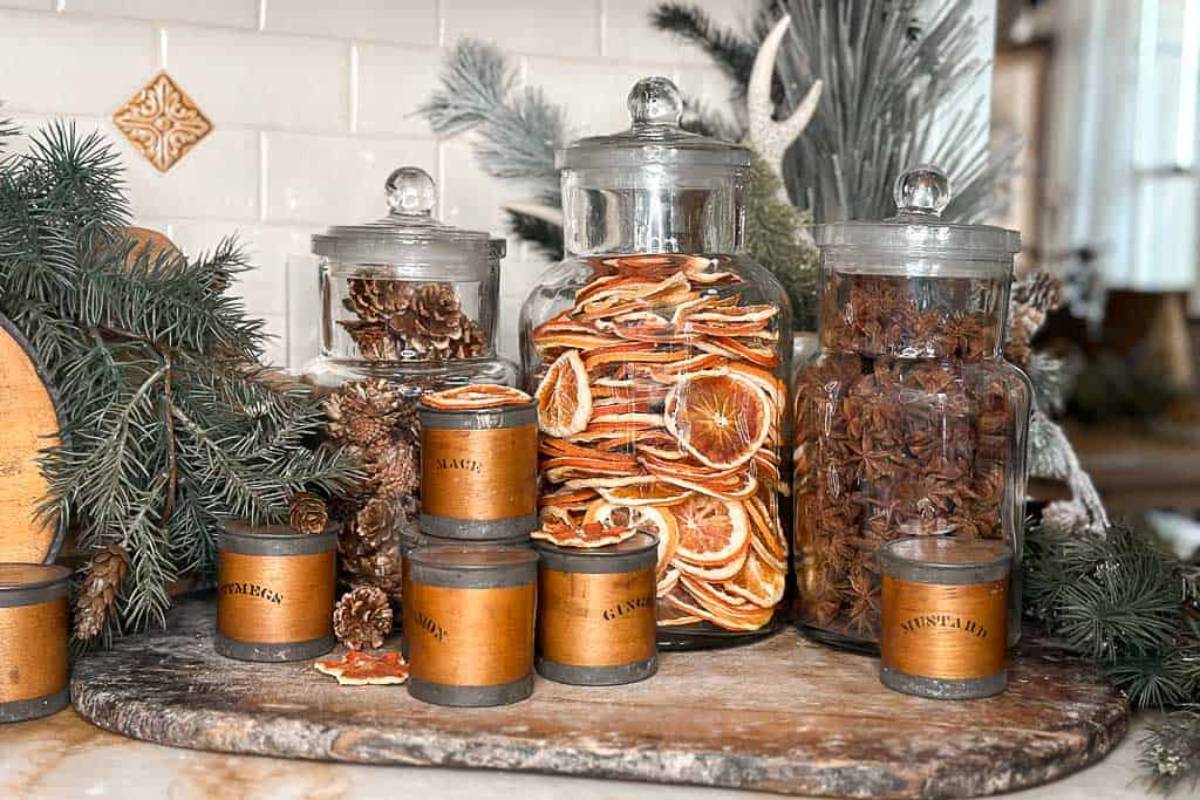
x=162 y=121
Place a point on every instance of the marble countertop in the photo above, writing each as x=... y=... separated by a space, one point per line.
x=65 y=758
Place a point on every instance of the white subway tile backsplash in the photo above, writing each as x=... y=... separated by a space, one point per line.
x=291 y=82
x=552 y=27
x=226 y=13
x=392 y=83
x=410 y=21
x=276 y=354
x=592 y=92
x=32 y=5
x=469 y=198
x=322 y=180
x=75 y=66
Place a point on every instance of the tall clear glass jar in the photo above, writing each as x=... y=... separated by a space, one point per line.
x=659 y=353
x=409 y=306
x=909 y=421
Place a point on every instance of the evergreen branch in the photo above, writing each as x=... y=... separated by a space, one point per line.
x=732 y=53
x=1171 y=751
x=546 y=236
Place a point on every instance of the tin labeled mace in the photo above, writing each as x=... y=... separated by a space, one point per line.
x=944 y=609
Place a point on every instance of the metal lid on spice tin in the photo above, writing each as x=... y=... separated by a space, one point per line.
x=30 y=584
x=945 y=560
x=474 y=567
x=238 y=536
x=513 y=415
x=637 y=552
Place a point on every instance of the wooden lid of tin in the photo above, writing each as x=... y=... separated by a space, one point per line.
x=945 y=559
x=27 y=584
x=487 y=567
x=637 y=552
x=238 y=536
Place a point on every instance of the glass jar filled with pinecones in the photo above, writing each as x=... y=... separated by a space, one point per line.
x=409 y=306
x=909 y=422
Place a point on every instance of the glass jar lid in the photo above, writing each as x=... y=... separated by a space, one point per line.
x=654 y=137
x=921 y=194
x=410 y=235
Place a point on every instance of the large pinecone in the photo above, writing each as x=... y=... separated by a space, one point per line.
x=365 y=412
x=377 y=523
x=375 y=342
x=98 y=594
x=382 y=569
x=435 y=326
x=392 y=470
x=376 y=299
x=362 y=618
x=307 y=513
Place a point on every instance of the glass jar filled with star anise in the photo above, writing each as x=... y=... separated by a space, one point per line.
x=659 y=351
x=408 y=307
x=910 y=421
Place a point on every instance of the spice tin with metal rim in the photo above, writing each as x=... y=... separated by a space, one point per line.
x=945 y=612
x=275 y=592
x=479 y=471
x=596 y=612
x=33 y=640
x=468 y=619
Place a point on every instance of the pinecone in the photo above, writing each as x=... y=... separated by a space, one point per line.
x=377 y=523
x=375 y=299
x=1026 y=321
x=392 y=471
x=364 y=412
x=307 y=513
x=98 y=594
x=382 y=569
x=373 y=340
x=435 y=326
x=362 y=618
x=1039 y=289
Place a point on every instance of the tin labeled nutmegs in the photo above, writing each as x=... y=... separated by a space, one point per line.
x=275 y=592
x=596 y=612
x=944 y=616
x=33 y=640
x=478 y=463
x=468 y=619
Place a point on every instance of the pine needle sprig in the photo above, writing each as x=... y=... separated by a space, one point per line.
x=731 y=52
x=1171 y=751
x=546 y=237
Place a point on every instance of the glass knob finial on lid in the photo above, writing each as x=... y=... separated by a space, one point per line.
x=923 y=191
x=410 y=190
x=655 y=101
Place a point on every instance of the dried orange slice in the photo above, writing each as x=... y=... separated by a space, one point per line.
x=563 y=397
x=667 y=581
x=644 y=494
x=645 y=519
x=475 y=396
x=356 y=668
x=721 y=419
x=590 y=534
x=712 y=531
x=757 y=581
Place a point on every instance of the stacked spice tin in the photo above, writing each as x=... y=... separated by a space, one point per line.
x=473 y=586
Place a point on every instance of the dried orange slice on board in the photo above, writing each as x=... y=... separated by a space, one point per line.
x=712 y=531
x=357 y=668
x=721 y=419
x=476 y=396
x=564 y=399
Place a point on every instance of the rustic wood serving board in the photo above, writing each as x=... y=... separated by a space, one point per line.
x=782 y=715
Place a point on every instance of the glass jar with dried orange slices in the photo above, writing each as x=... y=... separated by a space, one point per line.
x=656 y=354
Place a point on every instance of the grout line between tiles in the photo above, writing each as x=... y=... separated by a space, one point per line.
x=162 y=48
x=353 y=88
x=262 y=15
x=263 y=166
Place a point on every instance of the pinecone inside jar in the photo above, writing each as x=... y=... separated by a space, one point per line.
x=435 y=326
x=362 y=618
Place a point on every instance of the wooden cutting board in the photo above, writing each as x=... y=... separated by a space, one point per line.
x=29 y=423
x=783 y=715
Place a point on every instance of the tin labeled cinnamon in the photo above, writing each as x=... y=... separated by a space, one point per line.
x=33 y=640
x=275 y=592
x=944 y=616
x=596 y=612
x=468 y=619
x=479 y=468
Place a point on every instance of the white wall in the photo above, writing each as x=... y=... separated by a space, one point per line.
x=311 y=105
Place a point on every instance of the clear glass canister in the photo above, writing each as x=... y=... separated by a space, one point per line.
x=656 y=353
x=409 y=306
x=909 y=421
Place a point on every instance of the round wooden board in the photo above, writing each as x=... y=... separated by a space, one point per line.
x=29 y=423
x=783 y=715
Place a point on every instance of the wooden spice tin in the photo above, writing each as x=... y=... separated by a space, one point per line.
x=945 y=613
x=275 y=592
x=33 y=640
x=596 y=612
x=479 y=471
x=468 y=619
